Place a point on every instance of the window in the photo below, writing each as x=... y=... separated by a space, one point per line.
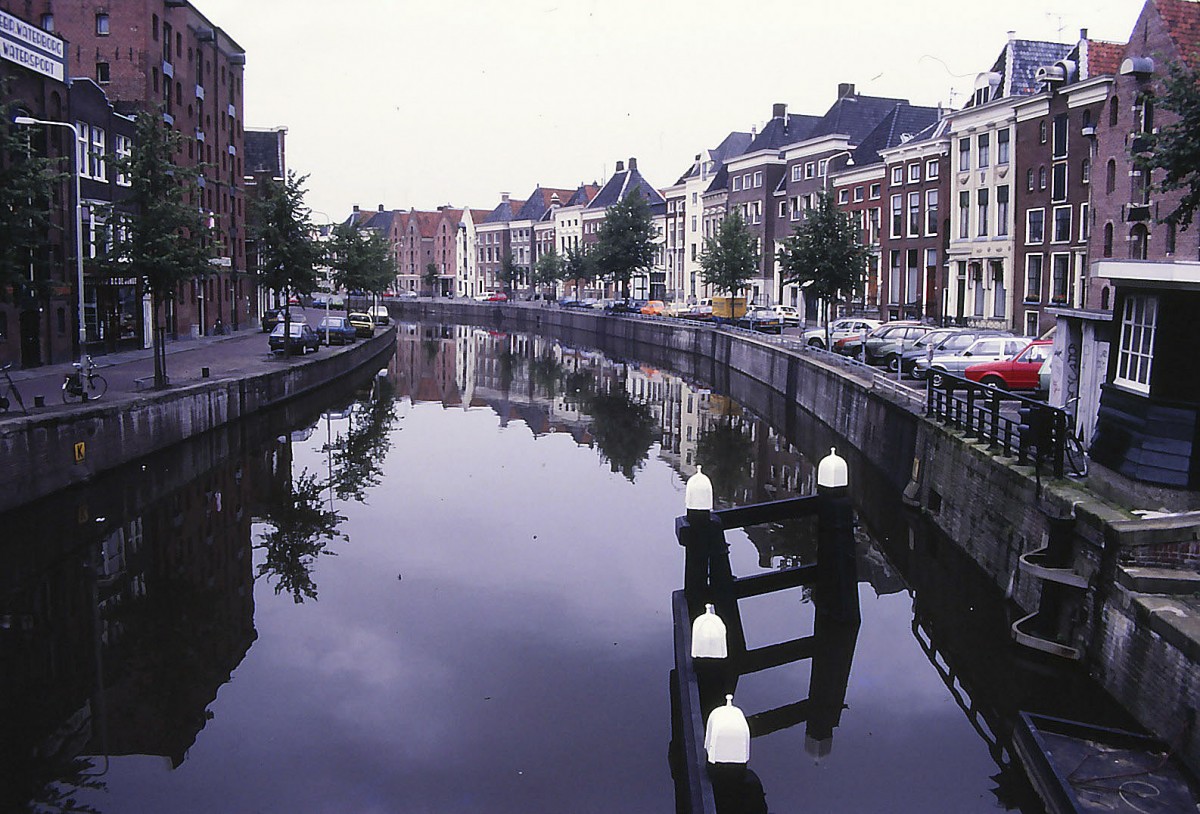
x=1085 y=229
x=1085 y=171
x=693 y=223
x=931 y=212
x=795 y=208
x=810 y=169
x=1060 y=278
x=1135 y=354
x=737 y=183
x=1029 y=180
x=858 y=194
x=1058 y=182
x=1171 y=237
x=894 y=280
x=1035 y=226
x=124 y=149
x=746 y=181
x=1033 y=277
x=843 y=196
x=999 y=294
x=897 y=215
x=914 y=172
x=795 y=172
x=757 y=180
x=1110 y=176
x=964 y=154
x=1002 y=146
x=783 y=209
x=876 y=190
x=912 y=292
x=81 y=148
x=102 y=74
x=1062 y=224
x=1061 y=124
x=101 y=25
x=1002 y=211
x=1041 y=177
x=1108 y=239
x=914 y=214
x=931 y=169
x=985 y=151
x=1139 y=238
x=1113 y=108
x=1041 y=132
x=964 y=214
x=983 y=212
x=755 y=210
x=47 y=25
x=977 y=281
x=897 y=175
x=822 y=167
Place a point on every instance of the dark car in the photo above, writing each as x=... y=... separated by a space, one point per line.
x=302 y=338
x=764 y=320
x=624 y=307
x=336 y=330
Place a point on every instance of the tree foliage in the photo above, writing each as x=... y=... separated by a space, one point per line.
x=624 y=430
x=430 y=277
x=549 y=269
x=167 y=242
x=28 y=183
x=1175 y=148
x=300 y=530
x=626 y=244
x=579 y=265
x=281 y=227
x=508 y=273
x=825 y=253
x=361 y=259
x=730 y=257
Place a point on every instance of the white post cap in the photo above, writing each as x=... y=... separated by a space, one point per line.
x=832 y=472
x=699 y=493
x=708 y=636
x=727 y=735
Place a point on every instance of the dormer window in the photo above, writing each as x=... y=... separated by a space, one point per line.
x=985 y=87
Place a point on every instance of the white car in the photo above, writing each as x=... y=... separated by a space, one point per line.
x=787 y=313
x=987 y=349
x=839 y=329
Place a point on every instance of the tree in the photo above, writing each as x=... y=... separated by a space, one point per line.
x=730 y=257
x=1175 y=148
x=430 y=277
x=166 y=242
x=623 y=428
x=580 y=266
x=27 y=186
x=549 y=269
x=288 y=256
x=300 y=530
x=361 y=260
x=626 y=241
x=824 y=254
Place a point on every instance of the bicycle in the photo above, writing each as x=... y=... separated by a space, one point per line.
x=12 y=391
x=84 y=383
x=1075 y=457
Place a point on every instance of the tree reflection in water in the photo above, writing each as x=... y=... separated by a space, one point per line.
x=301 y=528
x=624 y=430
x=357 y=457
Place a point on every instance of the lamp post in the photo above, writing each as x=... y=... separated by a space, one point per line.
x=29 y=121
x=828 y=174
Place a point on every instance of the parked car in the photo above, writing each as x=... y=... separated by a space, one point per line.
x=987 y=349
x=274 y=316
x=406 y=293
x=654 y=308
x=363 y=324
x=1017 y=373
x=764 y=320
x=492 y=296
x=586 y=302
x=380 y=314
x=884 y=344
x=701 y=310
x=846 y=326
x=624 y=306
x=788 y=314
x=336 y=330
x=952 y=340
x=301 y=336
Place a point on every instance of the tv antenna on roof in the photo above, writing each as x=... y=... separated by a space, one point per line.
x=1061 y=25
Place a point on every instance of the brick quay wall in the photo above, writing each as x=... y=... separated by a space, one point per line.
x=1137 y=635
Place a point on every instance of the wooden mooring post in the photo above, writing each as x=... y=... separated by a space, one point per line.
x=707 y=783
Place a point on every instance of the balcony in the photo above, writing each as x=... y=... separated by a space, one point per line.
x=1136 y=212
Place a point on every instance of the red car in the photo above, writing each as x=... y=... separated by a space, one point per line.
x=1017 y=373
x=499 y=296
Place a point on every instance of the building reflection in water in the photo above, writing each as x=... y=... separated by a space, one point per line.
x=125 y=605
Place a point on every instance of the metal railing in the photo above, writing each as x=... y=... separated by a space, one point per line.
x=1011 y=424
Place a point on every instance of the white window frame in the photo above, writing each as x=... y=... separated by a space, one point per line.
x=914 y=172
x=1029 y=241
x=758 y=179
x=843 y=196
x=858 y=194
x=1054 y=238
x=1135 y=351
x=913 y=214
x=897 y=219
x=932 y=170
x=876 y=191
x=897 y=175
x=931 y=212
x=1085 y=230
x=737 y=183
x=796 y=172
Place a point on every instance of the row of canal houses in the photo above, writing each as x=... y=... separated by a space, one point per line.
x=1022 y=210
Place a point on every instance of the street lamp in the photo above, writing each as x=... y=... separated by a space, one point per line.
x=829 y=163
x=29 y=121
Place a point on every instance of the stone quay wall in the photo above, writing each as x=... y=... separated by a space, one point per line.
x=45 y=453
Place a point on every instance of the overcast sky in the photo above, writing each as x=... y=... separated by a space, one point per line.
x=416 y=104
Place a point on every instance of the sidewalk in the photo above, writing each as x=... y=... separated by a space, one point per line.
x=236 y=354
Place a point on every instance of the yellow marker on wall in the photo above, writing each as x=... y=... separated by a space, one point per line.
x=80 y=451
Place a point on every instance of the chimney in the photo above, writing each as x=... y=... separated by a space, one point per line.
x=779 y=110
x=381 y=207
x=1083 y=33
x=503 y=197
x=845 y=89
x=632 y=164
x=1012 y=35
x=356 y=207
x=620 y=166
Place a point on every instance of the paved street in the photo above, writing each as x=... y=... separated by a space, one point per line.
x=240 y=354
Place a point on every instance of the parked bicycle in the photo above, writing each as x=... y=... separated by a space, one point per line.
x=84 y=383
x=1075 y=457
x=10 y=391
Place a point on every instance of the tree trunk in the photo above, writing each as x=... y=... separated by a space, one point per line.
x=159 y=342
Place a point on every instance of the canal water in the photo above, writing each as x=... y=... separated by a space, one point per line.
x=448 y=589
